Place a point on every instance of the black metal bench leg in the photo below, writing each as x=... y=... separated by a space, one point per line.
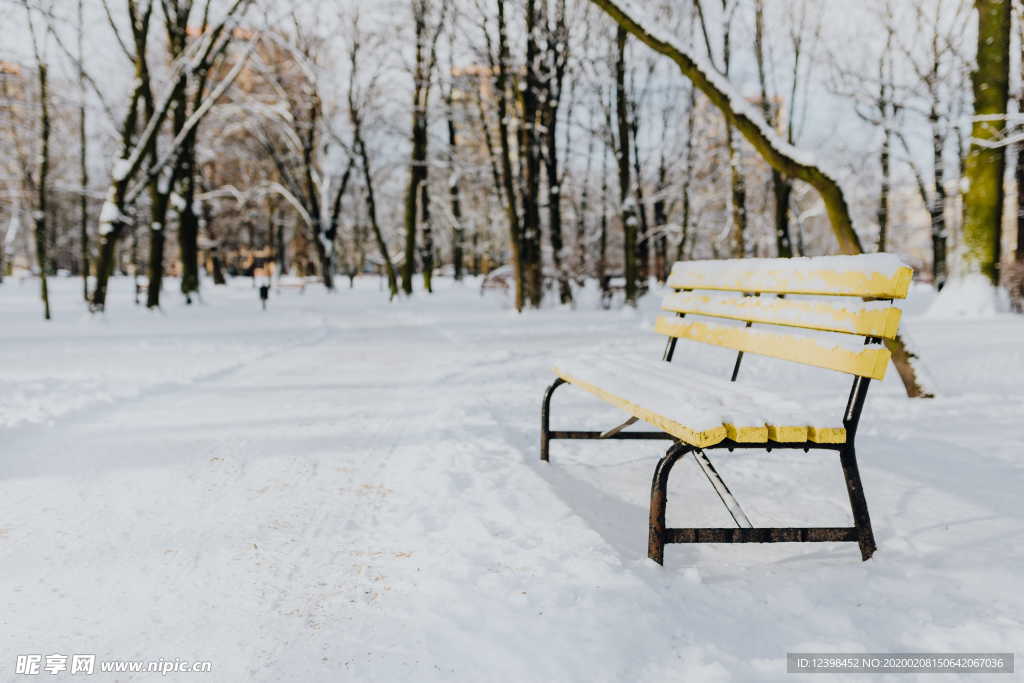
x=858 y=505
x=545 y=418
x=659 y=498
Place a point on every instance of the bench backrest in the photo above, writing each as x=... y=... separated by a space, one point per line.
x=848 y=293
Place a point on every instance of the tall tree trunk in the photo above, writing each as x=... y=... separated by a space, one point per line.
x=417 y=197
x=684 y=226
x=530 y=150
x=508 y=180
x=427 y=250
x=626 y=200
x=660 y=220
x=83 y=166
x=643 y=247
x=1020 y=198
x=157 y=232
x=555 y=195
x=458 y=230
x=556 y=54
x=42 y=187
x=581 y=216
x=555 y=209
x=737 y=183
x=418 y=157
x=883 y=191
x=601 y=270
x=1019 y=252
x=371 y=209
x=937 y=205
x=782 y=188
x=188 y=224
x=984 y=166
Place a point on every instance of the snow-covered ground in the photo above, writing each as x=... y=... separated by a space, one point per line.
x=345 y=489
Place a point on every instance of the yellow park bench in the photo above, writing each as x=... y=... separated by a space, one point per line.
x=717 y=303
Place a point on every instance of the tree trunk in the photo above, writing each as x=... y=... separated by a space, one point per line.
x=684 y=226
x=984 y=166
x=937 y=205
x=555 y=196
x=1020 y=197
x=530 y=151
x=508 y=181
x=601 y=269
x=581 y=216
x=737 y=185
x=883 y=191
x=371 y=209
x=458 y=231
x=626 y=201
x=418 y=158
x=660 y=220
x=643 y=247
x=188 y=225
x=781 y=186
x=1019 y=252
x=555 y=59
x=42 y=189
x=427 y=250
x=83 y=167
x=157 y=233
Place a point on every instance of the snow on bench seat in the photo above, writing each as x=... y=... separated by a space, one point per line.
x=695 y=407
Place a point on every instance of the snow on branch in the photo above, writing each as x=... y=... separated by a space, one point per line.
x=742 y=115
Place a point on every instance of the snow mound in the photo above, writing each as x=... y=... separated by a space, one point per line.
x=969 y=297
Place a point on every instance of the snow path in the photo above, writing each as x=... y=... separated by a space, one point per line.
x=340 y=489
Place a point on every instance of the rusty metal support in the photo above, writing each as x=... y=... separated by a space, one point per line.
x=659 y=498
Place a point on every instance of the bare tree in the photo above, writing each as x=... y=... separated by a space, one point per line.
x=358 y=100
x=37 y=181
x=144 y=118
x=627 y=203
x=417 y=197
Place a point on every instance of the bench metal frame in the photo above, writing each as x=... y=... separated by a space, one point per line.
x=860 y=533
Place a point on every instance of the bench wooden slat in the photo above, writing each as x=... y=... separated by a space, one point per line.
x=869 y=362
x=877 y=276
x=862 y=320
x=700 y=439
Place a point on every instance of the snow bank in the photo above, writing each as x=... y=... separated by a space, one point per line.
x=972 y=296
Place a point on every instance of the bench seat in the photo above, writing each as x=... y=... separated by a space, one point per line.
x=697 y=408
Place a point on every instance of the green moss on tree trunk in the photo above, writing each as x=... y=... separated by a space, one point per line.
x=985 y=165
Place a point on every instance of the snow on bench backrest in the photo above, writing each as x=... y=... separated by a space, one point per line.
x=878 y=276
x=873 y=276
